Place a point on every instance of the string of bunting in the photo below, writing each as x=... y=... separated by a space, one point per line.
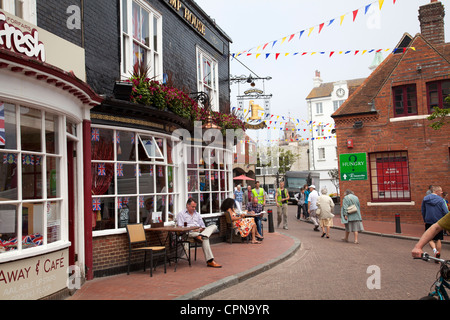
x=324 y=53
x=320 y=27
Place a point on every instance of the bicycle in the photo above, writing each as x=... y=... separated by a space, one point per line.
x=441 y=283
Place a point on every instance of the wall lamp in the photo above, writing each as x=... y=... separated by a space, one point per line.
x=358 y=125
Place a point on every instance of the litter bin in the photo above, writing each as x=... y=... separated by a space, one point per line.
x=270 y=216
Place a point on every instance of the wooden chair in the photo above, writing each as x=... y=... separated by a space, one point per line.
x=136 y=236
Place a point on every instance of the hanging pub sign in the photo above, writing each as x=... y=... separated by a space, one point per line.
x=195 y=22
x=21 y=38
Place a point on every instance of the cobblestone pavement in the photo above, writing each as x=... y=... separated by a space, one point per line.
x=330 y=269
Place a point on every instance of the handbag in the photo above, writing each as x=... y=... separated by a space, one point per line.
x=352 y=209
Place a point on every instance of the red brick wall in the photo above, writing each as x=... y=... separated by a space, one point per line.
x=428 y=149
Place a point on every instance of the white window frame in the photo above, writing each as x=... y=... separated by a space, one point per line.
x=319 y=108
x=321 y=153
x=155 y=57
x=28 y=9
x=201 y=86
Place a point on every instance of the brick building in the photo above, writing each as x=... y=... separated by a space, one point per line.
x=386 y=119
x=90 y=159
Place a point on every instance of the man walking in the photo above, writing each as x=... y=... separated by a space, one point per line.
x=434 y=209
x=312 y=206
x=282 y=205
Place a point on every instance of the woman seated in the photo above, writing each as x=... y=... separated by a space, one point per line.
x=245 y=226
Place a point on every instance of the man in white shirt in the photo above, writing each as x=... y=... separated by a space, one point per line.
x=202 y=234
x=312 y=206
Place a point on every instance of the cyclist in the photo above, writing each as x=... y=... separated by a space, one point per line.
x=442 y=224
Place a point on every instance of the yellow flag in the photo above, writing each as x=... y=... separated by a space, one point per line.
x=257 y=55
x=342 y=19
x=283 y=40
x=310 y=31
x=381 y=3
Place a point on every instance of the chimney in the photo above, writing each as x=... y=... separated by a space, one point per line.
x=317 y=80
x=431 y=17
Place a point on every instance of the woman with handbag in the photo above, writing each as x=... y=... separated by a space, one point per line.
x=351 y=215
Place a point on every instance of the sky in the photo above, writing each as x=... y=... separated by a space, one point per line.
x=253 y=23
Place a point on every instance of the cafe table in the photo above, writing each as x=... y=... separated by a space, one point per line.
x=180 y=234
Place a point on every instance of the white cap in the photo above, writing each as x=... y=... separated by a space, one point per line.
x=312 y=186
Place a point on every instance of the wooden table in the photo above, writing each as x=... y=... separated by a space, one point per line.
x=180 y=232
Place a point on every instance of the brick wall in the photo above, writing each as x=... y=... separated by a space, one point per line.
x=428 y=150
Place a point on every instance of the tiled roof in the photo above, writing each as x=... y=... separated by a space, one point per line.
x=326 y=89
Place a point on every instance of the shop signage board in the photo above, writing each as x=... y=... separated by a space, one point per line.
x=34 y=278
x=353 y=166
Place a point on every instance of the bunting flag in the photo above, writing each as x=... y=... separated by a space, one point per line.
x=325 y=53
x=320 y=27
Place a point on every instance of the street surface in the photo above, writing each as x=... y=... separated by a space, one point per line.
x=378 y=268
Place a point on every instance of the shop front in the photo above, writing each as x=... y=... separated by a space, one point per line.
x=43 y=105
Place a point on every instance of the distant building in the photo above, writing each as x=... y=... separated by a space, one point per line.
x=322 y=101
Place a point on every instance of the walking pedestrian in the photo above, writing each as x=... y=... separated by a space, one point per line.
x=238 y=197
x=434 y=209
x=300 y=203
x=282 y=205
x=312 y=206
x=305 y=205
x=325 y=206
x=353 y=221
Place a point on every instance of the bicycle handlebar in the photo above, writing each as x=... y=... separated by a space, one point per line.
x=426 y=257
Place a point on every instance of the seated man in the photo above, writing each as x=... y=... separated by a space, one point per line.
x=254 y=207
x=202 y=234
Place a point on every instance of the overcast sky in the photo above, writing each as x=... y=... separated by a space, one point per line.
x=253 y=23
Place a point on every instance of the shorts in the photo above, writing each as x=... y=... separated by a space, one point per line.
x=439 y=236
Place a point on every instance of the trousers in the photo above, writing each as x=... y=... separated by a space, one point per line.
x=206 y=234
x=282 y=215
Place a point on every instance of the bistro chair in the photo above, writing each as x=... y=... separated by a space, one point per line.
x=231 y=230
x=136 y=237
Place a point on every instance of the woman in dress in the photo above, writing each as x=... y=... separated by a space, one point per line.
x=352 y=222
x=245 y=226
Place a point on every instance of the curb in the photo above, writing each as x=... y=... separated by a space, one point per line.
x=230 y=281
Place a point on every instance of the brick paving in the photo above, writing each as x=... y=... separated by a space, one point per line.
x=292 y=264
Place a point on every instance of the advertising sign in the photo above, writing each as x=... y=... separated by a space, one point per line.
x=353 y=166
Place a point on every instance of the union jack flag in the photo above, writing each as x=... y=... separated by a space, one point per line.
x=117 y=137
x=95 y=135
x=2 y=125
x=101 y=169
x=141 y=202
x=160 y=171
x=120 y=170
x=119 y=203
x=96 y=204
x=28 y=159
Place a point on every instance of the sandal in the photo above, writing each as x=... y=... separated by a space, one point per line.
x=255 y=242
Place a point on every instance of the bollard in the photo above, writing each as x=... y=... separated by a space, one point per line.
x=398 y=228
x=270 y=215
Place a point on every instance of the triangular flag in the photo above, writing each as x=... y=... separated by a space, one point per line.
x=276 y=56
x=310 y=31
x=301 y=33
x=265 y=46
x=367 y=8
x=283 y=40
x=355 y=13
x=381 y=3
x=274 y=43
x=331 y=53
x=286 y=54
x=321 y=27
x=267 y=55
x=257 y=55
x=331 y=21
x=342 y=19
x=292 y=36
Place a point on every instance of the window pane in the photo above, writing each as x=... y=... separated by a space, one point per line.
x=137 y=22
x=51 y=133
x=161 y=179
x=192 y=181
x=8 y=135
x=125 y=16
x=53 y=178
x=8 y=176
x=126 y=178
x=146 y=179
x=125 y=143
x=102 y=144
x=102 y=178
x=31 y=176
x=145 y=28
x=155 y=34
x=104 y=209
x=145 y=209
x=445 y=92
x=32 y=225
x=53 y=221
x=8 y=228
x=127 y=212
x=30 y=126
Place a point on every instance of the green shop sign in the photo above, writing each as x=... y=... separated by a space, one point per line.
x=353 y=166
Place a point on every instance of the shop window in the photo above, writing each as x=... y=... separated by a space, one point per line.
x=437 y=92
x=389 y=173
x=405 y=100
x=30 y=175
x=207 y=177
x=141 y=38
x=208 y=78
x=132 y=179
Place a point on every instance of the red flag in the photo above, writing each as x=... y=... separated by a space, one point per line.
x=276 y=56
x=292 y=36
x=331 y=53
x=265 y=46
x=321 y=27
x=355 y=13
